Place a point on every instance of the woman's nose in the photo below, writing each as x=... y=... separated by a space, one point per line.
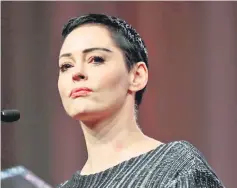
x=78 y=76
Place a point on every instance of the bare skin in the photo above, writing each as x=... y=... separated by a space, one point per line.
x=107 y=113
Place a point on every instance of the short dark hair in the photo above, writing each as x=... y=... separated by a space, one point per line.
x=124 y=35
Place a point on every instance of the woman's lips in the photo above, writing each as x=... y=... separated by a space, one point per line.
x=79 y=92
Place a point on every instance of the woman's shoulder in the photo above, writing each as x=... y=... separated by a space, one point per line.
x=182 y=149
x=183 y=154
x=187 y=165
x=175 y=157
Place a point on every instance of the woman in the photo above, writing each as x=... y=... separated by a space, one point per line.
x=103 y=75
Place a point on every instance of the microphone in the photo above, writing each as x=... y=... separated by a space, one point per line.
x=10 y=115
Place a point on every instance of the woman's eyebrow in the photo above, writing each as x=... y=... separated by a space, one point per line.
x=65 y=55
x=95 y=49
x=87 y=50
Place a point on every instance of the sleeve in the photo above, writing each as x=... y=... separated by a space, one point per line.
x=197 y=178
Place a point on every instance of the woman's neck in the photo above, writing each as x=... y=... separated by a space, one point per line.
x=114 y=140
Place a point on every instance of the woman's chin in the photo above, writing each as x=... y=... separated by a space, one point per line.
x=89 y=117
x=84 y=116
x=88 y=113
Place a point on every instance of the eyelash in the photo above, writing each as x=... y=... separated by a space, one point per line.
x=65 y=66
x=97 y=60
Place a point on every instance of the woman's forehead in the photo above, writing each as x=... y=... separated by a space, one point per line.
x=88 y=36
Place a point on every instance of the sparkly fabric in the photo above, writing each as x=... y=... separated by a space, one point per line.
x=174 y=165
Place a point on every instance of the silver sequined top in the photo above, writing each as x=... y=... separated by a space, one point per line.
x=173 y=165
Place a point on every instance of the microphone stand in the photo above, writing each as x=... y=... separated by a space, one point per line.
x=18 y=176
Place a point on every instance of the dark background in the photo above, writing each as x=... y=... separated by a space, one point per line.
x=191 y=94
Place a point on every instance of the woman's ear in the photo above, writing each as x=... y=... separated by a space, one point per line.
x=138 y=77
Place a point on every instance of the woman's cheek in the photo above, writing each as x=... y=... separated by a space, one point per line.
x=62 y=86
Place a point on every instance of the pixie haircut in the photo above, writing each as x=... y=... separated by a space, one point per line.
x=124 y=36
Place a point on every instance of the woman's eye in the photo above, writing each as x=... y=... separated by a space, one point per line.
x=96 y=60
x=64 y=67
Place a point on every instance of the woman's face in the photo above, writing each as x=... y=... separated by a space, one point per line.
x=90 y=51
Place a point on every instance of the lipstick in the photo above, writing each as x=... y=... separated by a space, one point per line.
x=79 y=92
